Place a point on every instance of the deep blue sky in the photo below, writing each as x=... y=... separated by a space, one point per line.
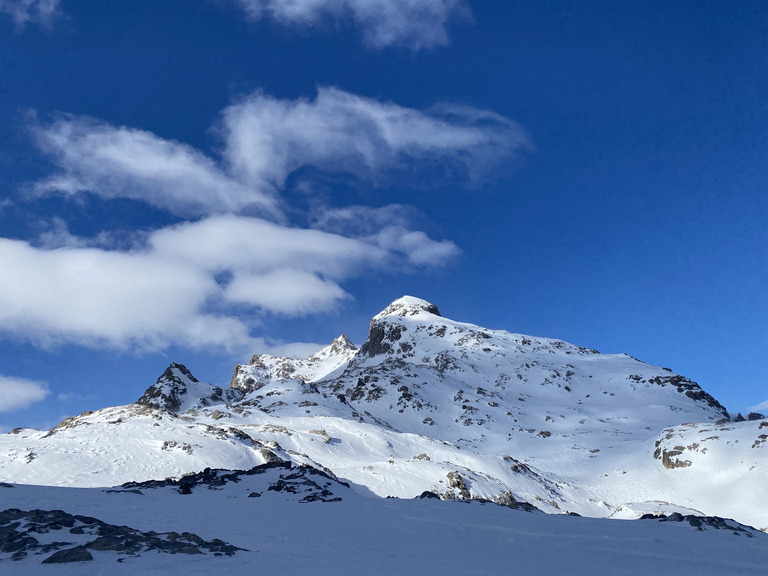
x=633 y=219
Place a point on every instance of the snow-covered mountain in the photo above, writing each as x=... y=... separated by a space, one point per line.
x=428 y=404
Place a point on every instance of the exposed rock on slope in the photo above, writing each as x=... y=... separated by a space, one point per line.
x=76 y=536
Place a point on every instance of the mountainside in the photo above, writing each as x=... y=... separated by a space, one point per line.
x=428 y=404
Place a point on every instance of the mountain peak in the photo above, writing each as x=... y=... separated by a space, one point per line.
x=408 y=306
x=386 y=327
x=177 y=390
x=342 y=344
x=170 y=387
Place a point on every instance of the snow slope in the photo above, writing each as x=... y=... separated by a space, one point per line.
x=277 y=533
x=430 y=404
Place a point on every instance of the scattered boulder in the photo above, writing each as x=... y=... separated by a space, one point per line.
x=323 y=434
x=507 y=499
x=428 y=495
x=456 y=481
x=76 y=554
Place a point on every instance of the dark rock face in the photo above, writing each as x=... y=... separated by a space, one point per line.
x=299 y=483
x=427 y=495
x=15 y=542
x=17 y=527
x=381 y=338
x=432 y=309
x=755 y=416
x=76 y=554
x=305 y=481
x=210 y=478
x=703 y=522
x=691 y=389
x=386 y=330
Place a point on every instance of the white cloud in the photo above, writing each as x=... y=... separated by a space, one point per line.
x=267 y=138
x=96 y=297
x=121 y=162
x=252 y=245
x=17 y=393
x=285 y=291
x=193 y=284
x=415 y=24
x=206 y=283
x=24 y=11
x=170 y=291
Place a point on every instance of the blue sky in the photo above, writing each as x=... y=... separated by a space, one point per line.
x=200 y=181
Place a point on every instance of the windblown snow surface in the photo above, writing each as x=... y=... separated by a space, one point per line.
x=488 y=423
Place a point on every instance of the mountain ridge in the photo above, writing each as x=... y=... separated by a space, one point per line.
x=428 y=404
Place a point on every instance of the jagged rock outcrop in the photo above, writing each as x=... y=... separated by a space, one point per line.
x=178 y=390
x=81 y=534
x=306 y=482
x=701 y=523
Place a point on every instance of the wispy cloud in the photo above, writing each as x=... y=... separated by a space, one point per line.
x=391 y=229
x=415 y=24
x=267 y=138
x=43 y=12
x=120 y=162
x=73 y=397
x=207 y=282
x=17 y=393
